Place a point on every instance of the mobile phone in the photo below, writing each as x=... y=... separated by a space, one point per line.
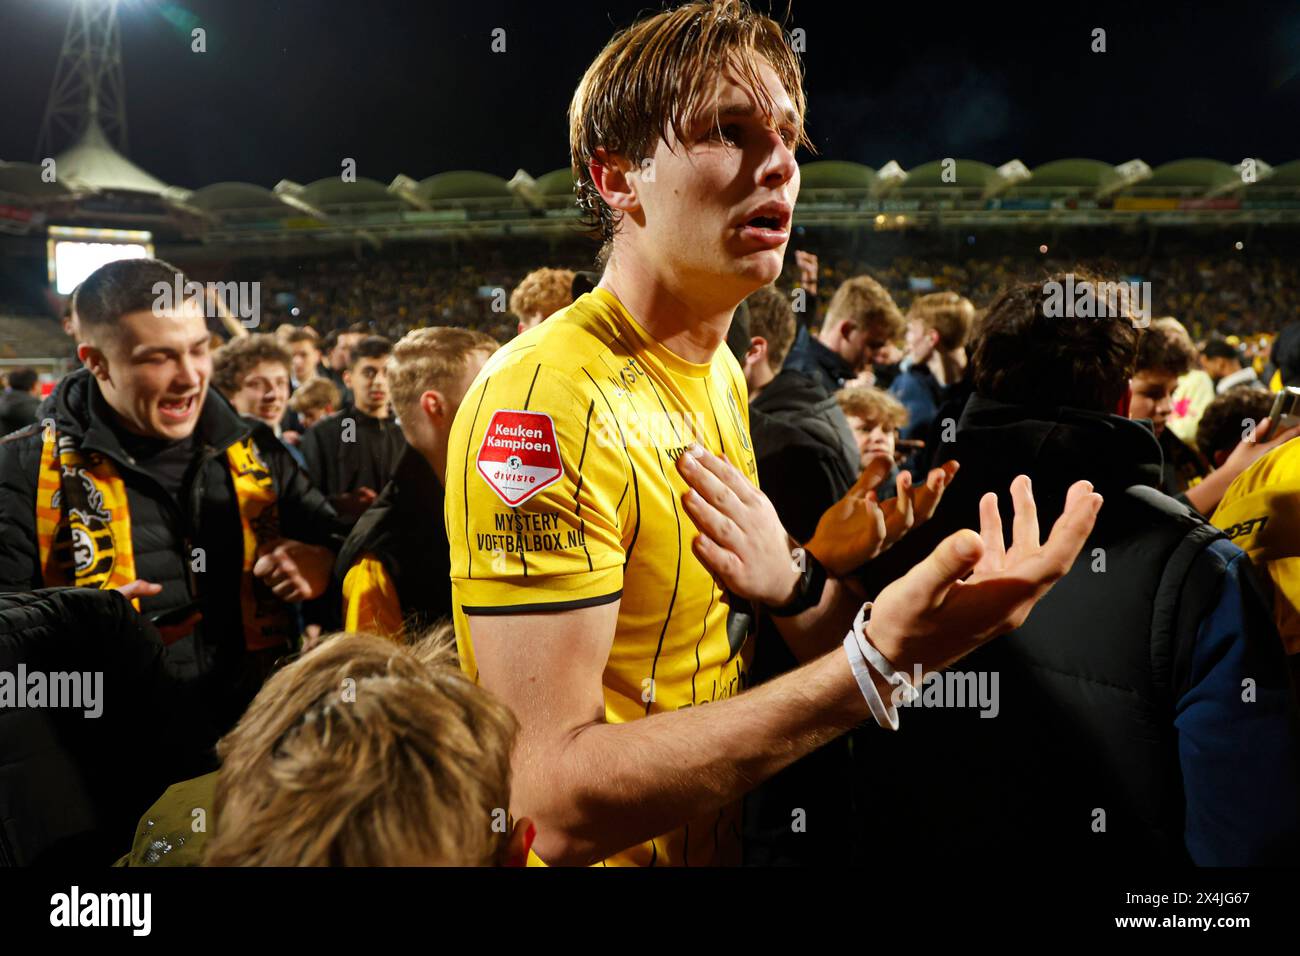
x=175 y=616
x=1286 y=410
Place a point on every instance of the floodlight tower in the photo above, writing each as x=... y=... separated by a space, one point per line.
x=88 y=86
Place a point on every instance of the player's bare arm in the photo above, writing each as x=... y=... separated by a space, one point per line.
x=595 y=788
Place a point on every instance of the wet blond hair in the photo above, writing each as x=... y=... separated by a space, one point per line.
x=652 y=78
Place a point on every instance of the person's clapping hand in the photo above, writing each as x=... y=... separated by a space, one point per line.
x=857 y=527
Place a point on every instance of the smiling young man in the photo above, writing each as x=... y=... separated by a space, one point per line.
x=581 y=599
x=142 y=479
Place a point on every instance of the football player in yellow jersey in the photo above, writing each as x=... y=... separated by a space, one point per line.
x=1261 y=514
x=588 y=448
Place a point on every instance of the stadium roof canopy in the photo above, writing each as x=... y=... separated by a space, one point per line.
x=220 y=197
x=966 y=174
x=93 y=164
x=835 y=174
x=558 y=182
x=463 y=184
x=333 y=191
x=1190 y=176
x=1285 y=176
x=25 y=180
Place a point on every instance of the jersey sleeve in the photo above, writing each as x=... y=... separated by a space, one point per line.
x=370 y=601
x=536 y=482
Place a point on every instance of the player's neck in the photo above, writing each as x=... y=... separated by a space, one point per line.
x=687 y=324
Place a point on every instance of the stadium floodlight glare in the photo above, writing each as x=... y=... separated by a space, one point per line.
x=74 y=252
x=1005 y=176
x=1126 y=174
x=524 y=187
x=888 y=178
x=291 y=193
x=406 y=189
x=1249 y=171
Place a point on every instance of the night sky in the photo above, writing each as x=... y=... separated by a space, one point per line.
x=288 y=88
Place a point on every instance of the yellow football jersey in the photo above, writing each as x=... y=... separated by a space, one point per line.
x=1260 y=512
x=562 y=493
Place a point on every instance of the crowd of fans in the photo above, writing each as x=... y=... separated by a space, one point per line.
x=1228 y=293
x=354 y=433
x=632 y=494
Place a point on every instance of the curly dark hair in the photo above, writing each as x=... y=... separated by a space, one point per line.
x=1025 y=357
x=1226 y=420
x=238 y=357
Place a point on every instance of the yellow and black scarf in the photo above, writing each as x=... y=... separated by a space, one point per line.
x=83 y=528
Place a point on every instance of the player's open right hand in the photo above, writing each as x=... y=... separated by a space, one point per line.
x=940 y=611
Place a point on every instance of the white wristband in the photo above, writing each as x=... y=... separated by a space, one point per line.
x=886 y=715
x=877 y=660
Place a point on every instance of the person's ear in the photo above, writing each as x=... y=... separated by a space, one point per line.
x=94 y=359
x=347 y=377
x=756 y=353
x=847 y=329
x=521 y=841
x=1122 y=408
x=434 y=406
x=613 y=177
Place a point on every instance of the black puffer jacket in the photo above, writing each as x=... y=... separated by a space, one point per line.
x=165 y=531
x=73 y=786
x=795 y=398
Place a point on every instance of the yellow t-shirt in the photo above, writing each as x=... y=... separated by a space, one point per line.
x=562 y=493
x=1260 y=512
x=370 y=601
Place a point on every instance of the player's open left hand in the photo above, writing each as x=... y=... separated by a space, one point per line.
x=971 y=589
x=742 y=541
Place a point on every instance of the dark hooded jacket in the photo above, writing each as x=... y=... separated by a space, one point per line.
x=167 y=529
x=1118 y=731
x=796 y=399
